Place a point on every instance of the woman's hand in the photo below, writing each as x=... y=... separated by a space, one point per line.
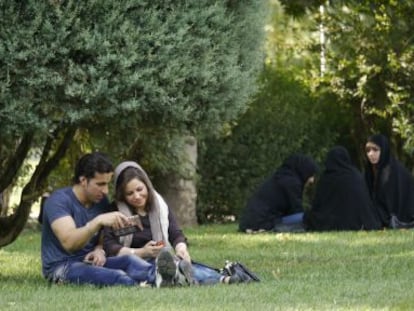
x=151 y=249
x=182 y=252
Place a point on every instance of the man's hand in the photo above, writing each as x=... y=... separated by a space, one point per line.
x=96 y=257
x=115 y=220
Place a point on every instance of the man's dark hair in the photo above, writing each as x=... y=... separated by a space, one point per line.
x=92 y=163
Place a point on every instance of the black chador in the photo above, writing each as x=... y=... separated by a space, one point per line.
x=279 y=195
x=341 y=199
x=391 y=187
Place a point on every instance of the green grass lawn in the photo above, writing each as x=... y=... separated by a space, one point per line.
x=309 y=271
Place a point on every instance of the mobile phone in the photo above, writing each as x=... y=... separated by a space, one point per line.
x=126 y=230
x=135 y=225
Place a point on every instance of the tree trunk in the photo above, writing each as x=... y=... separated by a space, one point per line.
x=11 y=226
x=180 y=192
x=5 y=198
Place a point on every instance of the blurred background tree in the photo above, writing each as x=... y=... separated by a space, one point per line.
x=370 y=69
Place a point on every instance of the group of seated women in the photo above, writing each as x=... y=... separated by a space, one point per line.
x=345 y=199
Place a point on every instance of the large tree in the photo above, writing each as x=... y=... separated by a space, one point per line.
x=114 y=69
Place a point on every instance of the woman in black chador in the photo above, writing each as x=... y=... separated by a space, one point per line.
x=278 y=201
x=390 y=184
x=341 y=200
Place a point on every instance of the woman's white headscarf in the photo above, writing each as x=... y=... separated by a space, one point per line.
x=158 y=212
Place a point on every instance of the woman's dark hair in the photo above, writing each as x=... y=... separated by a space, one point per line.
x=125 y=177
x=92 y=163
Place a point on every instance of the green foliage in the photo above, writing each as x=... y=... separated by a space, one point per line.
x=299 y=8
x=282 y=119
x=286 y=115
x=370 y=66
x=182 y=65
x=293 y=45
x=290 y=43
x=311 y=271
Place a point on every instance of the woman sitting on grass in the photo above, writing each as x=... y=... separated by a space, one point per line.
x=277 y=204
x=341 y=200
x=390 y=184
x=156 y=234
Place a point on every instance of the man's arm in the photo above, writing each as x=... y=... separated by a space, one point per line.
x=73 y=238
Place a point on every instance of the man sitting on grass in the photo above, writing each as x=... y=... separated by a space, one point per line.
x=71 y=232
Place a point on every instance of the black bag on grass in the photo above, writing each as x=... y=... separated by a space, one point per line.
x=237 y=268
x=230 y=268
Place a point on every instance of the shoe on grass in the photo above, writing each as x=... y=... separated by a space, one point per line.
x=166 y=269
x=185 y=273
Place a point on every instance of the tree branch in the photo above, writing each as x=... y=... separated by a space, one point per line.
x=15 y=161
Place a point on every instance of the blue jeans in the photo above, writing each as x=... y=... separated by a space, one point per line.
x=205 y=275
x=120 y=270
x=124 y=270
x=290 y=223
x=293 y=219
